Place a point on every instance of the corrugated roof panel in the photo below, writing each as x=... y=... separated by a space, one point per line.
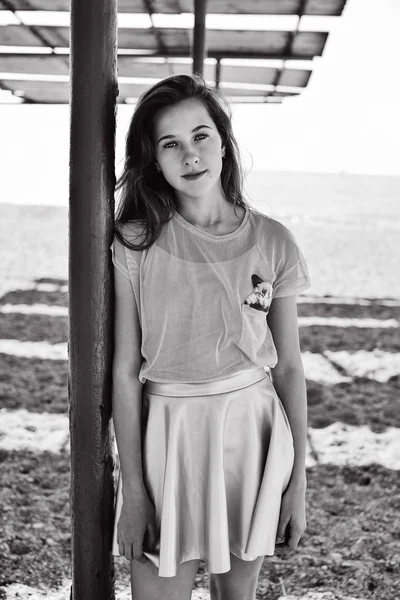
x=18 y=35
x=57 y=92
x=268 y=44
x=21 y=35
x=309 y=44
x=178 y=42
x=264 y=75
x=295 y=77
x=261 y=7
x=40 y=64
x=129 y=66
x=46 y=92
x=45 y=64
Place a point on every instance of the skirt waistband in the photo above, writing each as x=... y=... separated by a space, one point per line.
x=228 y=384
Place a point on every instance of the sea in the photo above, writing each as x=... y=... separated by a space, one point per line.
x=346 y=225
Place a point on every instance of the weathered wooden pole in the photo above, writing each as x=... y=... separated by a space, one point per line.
x=93 y=81
x=199 y=36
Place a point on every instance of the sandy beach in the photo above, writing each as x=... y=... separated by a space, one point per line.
x=349 y=324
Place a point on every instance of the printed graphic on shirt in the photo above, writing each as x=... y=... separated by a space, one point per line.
x=261 y=298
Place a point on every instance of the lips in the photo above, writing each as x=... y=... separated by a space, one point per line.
x=194 y=176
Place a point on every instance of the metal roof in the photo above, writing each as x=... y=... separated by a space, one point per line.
x=260 y=7
x=156 y=52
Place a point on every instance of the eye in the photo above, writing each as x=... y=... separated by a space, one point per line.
x=199 y=136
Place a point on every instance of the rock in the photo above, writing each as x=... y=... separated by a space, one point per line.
x=50 y=542
x=336 y=556
x=4 y=549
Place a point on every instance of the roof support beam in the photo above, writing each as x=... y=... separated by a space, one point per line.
x=217 y=73
x=93 y=92
x=291 y=38
x=157 y=32
x=199 y=36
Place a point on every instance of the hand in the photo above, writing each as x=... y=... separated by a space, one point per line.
x=137 y=522
x=292 y=514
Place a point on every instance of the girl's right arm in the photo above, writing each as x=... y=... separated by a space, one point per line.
x=137 y=519
x=126 y=388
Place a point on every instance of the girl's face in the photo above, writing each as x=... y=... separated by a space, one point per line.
x=186 y=141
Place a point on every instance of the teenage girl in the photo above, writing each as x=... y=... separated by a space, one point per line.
x=211 y=445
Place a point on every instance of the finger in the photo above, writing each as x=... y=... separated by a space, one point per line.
x=142 y=558
x=282 y=525
x=292 y=543
x=121 y=548
x=137 y=553
x=295 y=535
x=128 y=552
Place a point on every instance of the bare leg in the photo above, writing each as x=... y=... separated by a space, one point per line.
x=147 y=585
x=239 y=583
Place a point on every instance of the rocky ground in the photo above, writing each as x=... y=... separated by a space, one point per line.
x=351 y=549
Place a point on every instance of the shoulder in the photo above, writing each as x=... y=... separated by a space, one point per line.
x=132 y=232
x=269 y=231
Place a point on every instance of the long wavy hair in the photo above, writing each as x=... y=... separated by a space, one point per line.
x=145 y=195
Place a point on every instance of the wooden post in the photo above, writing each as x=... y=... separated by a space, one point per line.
x=199 y=36
x=94 y=87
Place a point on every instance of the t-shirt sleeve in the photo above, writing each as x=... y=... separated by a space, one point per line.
x=291 y=271
x=119 y=257
x=126 y=260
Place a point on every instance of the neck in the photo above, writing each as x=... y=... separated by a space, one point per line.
x=209 y=212
x=220 y=222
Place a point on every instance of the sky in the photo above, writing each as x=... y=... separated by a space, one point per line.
x=346 y=120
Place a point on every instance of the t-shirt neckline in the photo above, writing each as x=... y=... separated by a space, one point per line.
x=211 y=236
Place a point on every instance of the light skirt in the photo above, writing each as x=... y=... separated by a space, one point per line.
x=216 y=458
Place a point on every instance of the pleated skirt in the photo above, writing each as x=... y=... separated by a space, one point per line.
x=216 y=460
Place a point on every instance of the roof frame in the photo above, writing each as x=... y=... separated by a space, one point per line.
x=172 y=44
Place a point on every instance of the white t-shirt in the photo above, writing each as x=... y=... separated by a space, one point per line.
x=203 y=299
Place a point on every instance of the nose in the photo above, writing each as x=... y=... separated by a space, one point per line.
x=191 y=158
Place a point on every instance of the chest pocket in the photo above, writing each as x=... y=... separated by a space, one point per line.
x=255 y=338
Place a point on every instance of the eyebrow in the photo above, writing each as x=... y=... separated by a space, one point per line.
x=164 y=137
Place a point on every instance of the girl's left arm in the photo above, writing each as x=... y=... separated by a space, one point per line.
x=289 y=381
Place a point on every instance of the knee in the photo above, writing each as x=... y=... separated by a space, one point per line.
x=232 y=588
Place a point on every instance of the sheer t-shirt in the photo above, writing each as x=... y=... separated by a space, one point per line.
x=197 y=295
